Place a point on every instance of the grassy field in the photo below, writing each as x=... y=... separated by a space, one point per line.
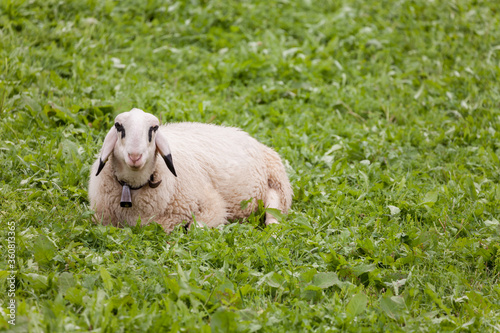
x=386 y=114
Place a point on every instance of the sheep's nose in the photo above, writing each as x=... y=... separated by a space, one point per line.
x=135 y=157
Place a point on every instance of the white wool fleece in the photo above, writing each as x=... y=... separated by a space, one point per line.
x=206 y=171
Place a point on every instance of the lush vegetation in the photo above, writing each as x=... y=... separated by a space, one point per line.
x=386 y=114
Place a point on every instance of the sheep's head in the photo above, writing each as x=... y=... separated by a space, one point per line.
x=133 y=141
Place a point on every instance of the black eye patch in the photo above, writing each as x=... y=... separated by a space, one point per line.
x=151 y=130
x=120 y=128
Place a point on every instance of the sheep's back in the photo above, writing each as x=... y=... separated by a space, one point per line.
x=226 y=157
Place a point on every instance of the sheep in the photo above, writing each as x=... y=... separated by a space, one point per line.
x=205 y=174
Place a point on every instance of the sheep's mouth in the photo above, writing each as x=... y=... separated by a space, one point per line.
x=135 y=164
x=135 y=167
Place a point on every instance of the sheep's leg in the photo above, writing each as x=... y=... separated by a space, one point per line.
x=169 y=223
x=212 y=210
x=272 y=201
x=105 y=216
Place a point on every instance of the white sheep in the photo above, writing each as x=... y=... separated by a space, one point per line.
x=216 y=169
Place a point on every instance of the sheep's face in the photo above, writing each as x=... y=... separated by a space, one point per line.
x=135 y=145
x=133 y=141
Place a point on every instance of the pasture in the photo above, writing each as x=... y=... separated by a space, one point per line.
x=385 y=113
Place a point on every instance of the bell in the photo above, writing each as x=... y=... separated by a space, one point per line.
x=126 y=200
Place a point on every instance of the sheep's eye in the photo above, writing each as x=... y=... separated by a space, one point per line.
x=120 y=128
x=151 y=130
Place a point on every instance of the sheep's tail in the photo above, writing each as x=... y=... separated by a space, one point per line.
x=278 y=180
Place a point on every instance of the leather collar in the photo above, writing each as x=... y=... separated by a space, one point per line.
x=126 y=198
x=150 y=182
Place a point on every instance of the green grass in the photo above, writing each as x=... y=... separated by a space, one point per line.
x=386 y=114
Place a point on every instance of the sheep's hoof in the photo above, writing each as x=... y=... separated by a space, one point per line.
x=271 y=220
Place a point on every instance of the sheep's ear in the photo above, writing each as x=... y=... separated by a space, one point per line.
x=107 y=148
x=164 y=149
